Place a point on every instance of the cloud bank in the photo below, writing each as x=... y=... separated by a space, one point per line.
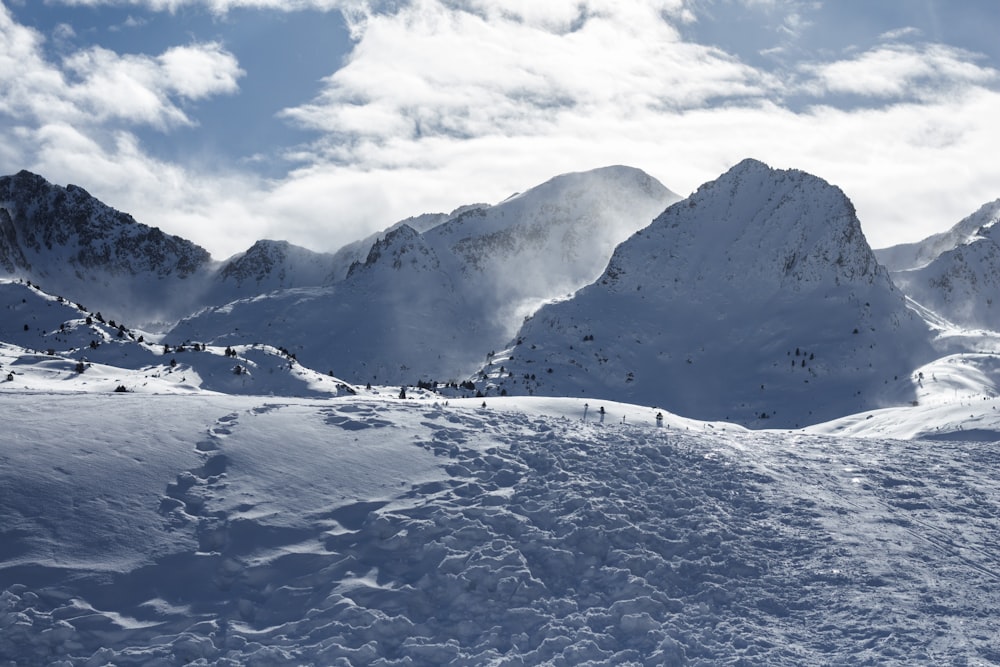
x=441 y=103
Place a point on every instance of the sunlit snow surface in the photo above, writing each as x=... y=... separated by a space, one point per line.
x=211 y=529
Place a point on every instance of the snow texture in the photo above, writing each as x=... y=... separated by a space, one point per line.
x=162 y=530
x=228 y=501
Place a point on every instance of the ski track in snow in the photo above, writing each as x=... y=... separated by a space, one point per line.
x=545 y=540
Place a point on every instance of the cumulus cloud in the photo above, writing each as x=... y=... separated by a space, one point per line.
x=95 y=85
x=446 y=102
x=490 y=68
x=196 y=72
x=900 y=71
x=481 y=95
x=216 y=6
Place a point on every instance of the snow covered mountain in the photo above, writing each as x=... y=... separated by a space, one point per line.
x=427 y=305
x=271 y=265
x=906 y=256
x=47 y=341
x=200 y=505
x=71 y=243
x=357 y=251
x=956 y=274
x=756 y=300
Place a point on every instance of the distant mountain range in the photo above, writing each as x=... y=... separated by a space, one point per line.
x=956 y=273
x=426 y=305
x=755 y=300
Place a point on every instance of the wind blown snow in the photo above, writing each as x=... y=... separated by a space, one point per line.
x=227 y=530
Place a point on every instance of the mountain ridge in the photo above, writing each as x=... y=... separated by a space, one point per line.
x=756 y=291
x=423 y=306
x=766 y=260
x=956 y=273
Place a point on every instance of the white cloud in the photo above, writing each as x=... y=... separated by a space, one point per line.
x=900 y=33
x=96 y=85
x=216 y=6
x=199 y=71
x=442 y=103
x=435 y=69
x=63 y=32
x=899 y=71
x=464 y=105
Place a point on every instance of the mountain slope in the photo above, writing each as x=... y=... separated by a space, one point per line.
x=363 y=531
x=73 y=244
x=755 y=300
x=357 y=251
x=426 y=306
x=48 y=343
x=270 y=265
x=907 y=256
x=957 y=274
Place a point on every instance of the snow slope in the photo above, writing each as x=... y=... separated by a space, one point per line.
x=756 y=300
x=49 y=343
x=281 y=516
x=73 y=244
x=908 y=256
x=268 y=266
x=958 y=275
x=428 y=305
x=224 y=530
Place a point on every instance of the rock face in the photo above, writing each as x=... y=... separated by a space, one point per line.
x=426 y=305
x=955 y=274
x=756 y=300
x=270 y=265
x=73 y=244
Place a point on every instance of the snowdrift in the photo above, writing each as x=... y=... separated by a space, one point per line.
x=170 y=530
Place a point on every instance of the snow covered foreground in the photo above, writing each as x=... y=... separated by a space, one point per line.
x=233 y=530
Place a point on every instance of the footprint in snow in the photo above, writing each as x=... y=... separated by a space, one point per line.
x=186 y=497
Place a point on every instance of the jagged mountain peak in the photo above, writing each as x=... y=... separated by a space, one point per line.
x=45 y=218
x=270 y=264
x=753 y=230
x=70 y=242
x=986 y=220
x=401 y=248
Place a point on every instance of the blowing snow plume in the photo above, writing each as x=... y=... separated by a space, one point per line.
x=428 y=305
x=955 y=274
x=69 y=242
x=755 y=300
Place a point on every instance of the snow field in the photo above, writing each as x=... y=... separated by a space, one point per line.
x=359 y=531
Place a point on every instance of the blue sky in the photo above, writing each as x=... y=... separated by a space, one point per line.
x=319 y=121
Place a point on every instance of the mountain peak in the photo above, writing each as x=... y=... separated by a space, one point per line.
x=749 y=164
x=955 y=274
x=700 y=311
x=269 y=265
x=69 y=241
x=907 y=256
x=753 y=231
